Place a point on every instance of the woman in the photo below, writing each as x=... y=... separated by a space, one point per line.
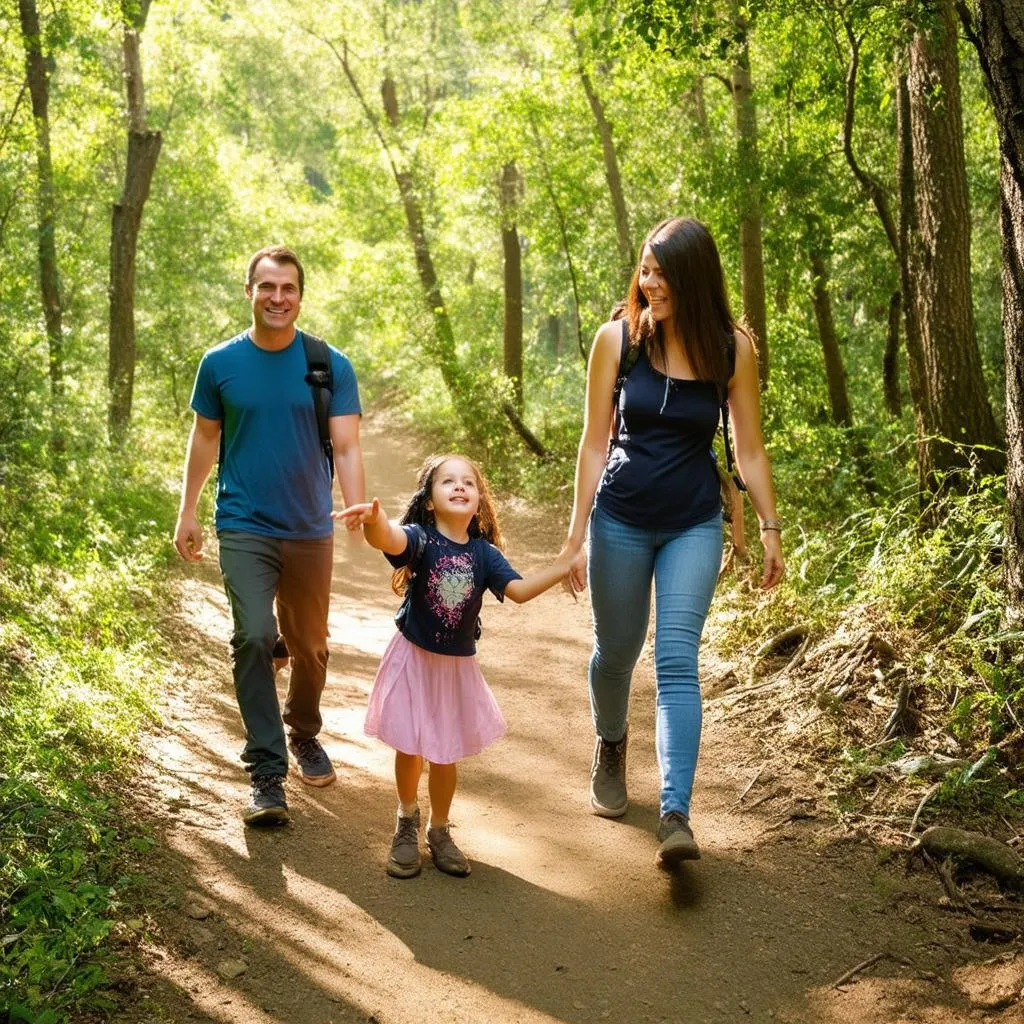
x=651 y=499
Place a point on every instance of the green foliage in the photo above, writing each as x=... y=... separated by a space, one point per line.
x=929 y=576
x=81 y=586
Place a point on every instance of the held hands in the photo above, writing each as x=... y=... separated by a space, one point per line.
x=366 y=513
x=188 y=538
x=576 y=560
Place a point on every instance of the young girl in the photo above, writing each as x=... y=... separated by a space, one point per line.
x=429 y=700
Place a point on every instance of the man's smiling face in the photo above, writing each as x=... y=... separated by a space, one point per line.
x=274 y=294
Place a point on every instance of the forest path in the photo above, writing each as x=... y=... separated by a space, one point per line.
x=565 y=917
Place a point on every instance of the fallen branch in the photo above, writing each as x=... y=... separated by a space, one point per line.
x=793 y=632
x=931 y=791
x=764 y=799
x=945 y=873
x=746 y=691
x=862 y=966
x=982 y=931
x=991 y=855
x=750 y=785
x=528 y=437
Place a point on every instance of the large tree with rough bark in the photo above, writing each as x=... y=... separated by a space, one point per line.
x=996 y=28
x=956 y=428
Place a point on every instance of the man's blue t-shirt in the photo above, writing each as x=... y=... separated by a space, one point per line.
x=442 y=604
x=275 y=480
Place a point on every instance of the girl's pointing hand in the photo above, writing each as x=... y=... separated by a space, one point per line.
x=363 y=514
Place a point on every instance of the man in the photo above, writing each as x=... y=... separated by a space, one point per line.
x=254 y=407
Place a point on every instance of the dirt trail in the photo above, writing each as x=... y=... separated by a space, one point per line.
x=565 y=917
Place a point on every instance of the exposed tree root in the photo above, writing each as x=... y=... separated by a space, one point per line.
x=903 y=719
x=799 y=633
x=989 y=854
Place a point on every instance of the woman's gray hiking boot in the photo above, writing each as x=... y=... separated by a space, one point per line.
x=608 y=794
x=404 y=860
x=267 y=805
x=447 y=857
x=677 y=842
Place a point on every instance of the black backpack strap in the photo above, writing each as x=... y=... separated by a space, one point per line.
x=723 y=397
x=417 y=545
x=320 y=379
x=628 y=355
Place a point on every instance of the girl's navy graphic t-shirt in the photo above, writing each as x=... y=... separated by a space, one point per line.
x=442 y=605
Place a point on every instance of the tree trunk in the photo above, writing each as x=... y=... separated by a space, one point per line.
x=879 y=197
x=126 y=219
x=999 y=39
x=835 y=371
x=749 y=165
x=611 y=173
x=890 y=360
x=947 y=384
x=49 y=278
x=443 y=346
x=554 y=332
x=510 y=190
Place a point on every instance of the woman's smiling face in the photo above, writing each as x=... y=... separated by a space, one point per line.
x=654 y=287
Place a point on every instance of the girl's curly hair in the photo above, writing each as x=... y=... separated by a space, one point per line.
x=484 y=523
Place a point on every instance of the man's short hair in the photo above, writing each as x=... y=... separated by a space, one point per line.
x=279 y=254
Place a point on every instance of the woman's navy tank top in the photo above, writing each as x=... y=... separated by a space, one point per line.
x=661 y=471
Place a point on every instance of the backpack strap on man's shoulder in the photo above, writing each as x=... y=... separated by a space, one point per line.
x=320 y=379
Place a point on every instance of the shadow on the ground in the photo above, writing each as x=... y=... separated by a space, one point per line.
x=564 y=918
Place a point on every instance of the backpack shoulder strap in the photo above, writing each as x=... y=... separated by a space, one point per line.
x=320 y=379
x=628 y=355
x=417 y=545
x=723 y=395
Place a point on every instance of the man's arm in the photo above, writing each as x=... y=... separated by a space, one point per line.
x=200 y=455
x=348 y=458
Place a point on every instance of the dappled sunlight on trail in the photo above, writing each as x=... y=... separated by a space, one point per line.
x=564 y=918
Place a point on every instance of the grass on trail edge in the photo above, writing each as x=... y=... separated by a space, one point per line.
x=81 y=667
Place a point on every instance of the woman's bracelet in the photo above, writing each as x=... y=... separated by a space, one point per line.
x=771 y=524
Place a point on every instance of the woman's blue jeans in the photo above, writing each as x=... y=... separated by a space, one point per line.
x=683 y=565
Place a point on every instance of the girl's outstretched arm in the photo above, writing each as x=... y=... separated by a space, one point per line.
x=379 y=532
x=537 y=582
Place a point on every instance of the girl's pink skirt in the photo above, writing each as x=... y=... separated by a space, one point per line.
x=436 y=705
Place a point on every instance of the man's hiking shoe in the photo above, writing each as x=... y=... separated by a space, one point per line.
x=677 y=842
x=405 y=861
x=447 y=857
x=315 y=768
x=608 y=778
x=267 y=805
